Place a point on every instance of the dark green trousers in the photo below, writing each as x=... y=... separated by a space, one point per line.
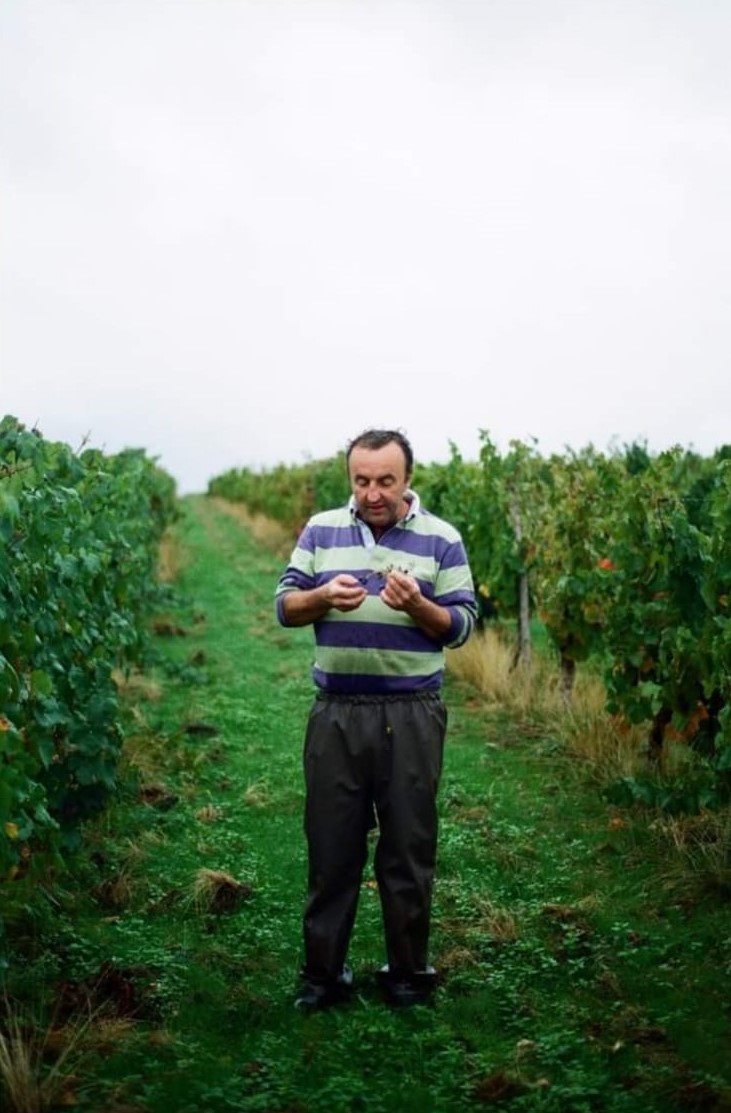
x=366 y=754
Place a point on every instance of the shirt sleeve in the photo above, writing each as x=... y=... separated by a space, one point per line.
x=299 y=574
x=454 y=590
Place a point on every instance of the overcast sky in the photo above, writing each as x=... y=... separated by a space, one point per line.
x=237 y=232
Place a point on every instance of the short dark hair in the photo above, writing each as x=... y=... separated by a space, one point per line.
x=374 y=439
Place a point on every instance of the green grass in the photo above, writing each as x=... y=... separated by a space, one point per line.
x=577 y=974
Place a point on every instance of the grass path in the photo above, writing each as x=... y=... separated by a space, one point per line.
x=578 y=972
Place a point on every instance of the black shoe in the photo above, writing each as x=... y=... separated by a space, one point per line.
x=404 y=990
x=323 y=995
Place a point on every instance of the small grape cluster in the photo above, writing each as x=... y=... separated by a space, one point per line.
x=395 y=568
x=383 y=573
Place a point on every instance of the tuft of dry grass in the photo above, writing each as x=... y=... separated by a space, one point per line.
x=458 y=958
x=486 y=662
x=102 y=1035
x=118 y=891
x=148 y=753
x=483 y=662
x=217 y=891
x=209 y=813
x=612 y=746
x=499 y=924
x=27 y=1082
x=702 y=847
x=135 y=685
x=258 y=794
x=533 y=694
x=468 y=931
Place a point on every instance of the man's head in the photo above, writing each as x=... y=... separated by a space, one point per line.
x=380 y=463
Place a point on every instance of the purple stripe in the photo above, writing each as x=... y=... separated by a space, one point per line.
x=293 y=578
x=449 y=554
x=461 y=598
x=404 y=542
x=372 y=635
x=332 y=537
x=459 y=628
x=453 y=556
x=356 y=685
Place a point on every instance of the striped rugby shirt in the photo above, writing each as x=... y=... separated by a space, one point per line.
x=375 y=649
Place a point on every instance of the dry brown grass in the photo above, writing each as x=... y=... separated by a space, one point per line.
x=123 y=885
x=533 y=694
x=258 y=794
x=136 y=686
x=38 y=1067
x=455 y=959
x=272 y=535
x=707 y=833
x=606 y=742
x=169 y=557
x=209 y=813
x=147 y=753
x=495 y=922
x=486 y=662
x=217 y=891
x=702 y=848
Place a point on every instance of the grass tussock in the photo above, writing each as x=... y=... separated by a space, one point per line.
x=120 y=889
x=39 y=1064
x=215 y=891
x=134 y=686
x=209 y=813
x=495 y=922
x=258 y=794
x=701 y=846
x=272 y=535
x=533 y=694
x=148 y=755
x=116 y=894
x=605 y=742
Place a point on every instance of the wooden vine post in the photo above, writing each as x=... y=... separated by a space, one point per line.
x=523 y=648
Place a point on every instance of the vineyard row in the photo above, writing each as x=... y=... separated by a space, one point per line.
x=79 y=543
x=624 y=556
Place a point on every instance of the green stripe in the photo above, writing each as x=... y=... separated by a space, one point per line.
x=386 y=662
x=356 y=558
x=347 y=559
x=371 y=609
x=428 y=526
x=453 y=579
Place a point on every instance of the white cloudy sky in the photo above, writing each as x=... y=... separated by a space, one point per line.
x=236 y=232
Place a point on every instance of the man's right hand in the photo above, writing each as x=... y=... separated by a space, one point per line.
x=344 y=592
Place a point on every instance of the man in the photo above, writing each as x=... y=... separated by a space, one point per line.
x=387 y=587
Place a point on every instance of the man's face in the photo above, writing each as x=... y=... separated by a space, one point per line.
x=378 y=480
